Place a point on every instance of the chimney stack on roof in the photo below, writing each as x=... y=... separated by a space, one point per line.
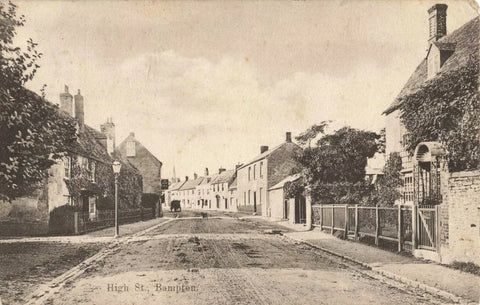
x=288 y=137
x=108 y=129
x=263 y=149
x=221 y=170
x=195 y=176
x=206 y=171
x=66 y=102
x=79 y=109
x=186 y=178
x=437 y=20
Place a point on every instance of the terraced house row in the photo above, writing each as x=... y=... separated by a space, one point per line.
x=248 y=187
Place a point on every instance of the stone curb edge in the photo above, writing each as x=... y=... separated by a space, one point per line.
x=388 y=274
x=42 y=293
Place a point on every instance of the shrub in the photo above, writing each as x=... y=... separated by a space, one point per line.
x=106 y=203
x=62 y=220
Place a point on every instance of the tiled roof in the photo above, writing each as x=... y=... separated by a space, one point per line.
x=191 y=184
x=282 y=183
x=225 y=176
x=175 y=186
x=465 y=43
x=266 y=154
x=233 y=186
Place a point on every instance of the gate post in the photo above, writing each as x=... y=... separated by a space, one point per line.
x=321 y=217
x=437 y=228
x=308 y=212
x=345 y=232
x=333 y=218
x=400 y=229
x=414 y=226
x=377 y=225
x=75 y=222
x=356 y=222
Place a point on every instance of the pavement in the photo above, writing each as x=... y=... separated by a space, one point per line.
x=106 y=235
x=458 y=286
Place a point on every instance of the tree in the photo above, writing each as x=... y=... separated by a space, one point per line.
x=33 y=132
x=447 y=109
x=387 y=189
x=334 y=169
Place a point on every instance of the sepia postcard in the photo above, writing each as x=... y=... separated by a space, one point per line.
x=239 y=152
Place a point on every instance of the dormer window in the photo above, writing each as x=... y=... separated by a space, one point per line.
x=131 y=149
x=437 y=55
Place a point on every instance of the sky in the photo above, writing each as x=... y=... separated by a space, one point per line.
x=205 y=84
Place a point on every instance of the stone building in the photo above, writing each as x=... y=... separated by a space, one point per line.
x=449 y=231
x=137 y=154
x=220 y=193
x=255 y=177
x=83 y=178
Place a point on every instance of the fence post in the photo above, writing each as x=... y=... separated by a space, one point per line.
x=333 y=218
x=356 y=222
x=345 y=232
x=377 y=225
x=321 y=217
x=414 y=227
x=400 y=229
x=75 y=222
x=437 y=228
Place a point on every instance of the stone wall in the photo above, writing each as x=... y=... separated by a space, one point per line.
x=460 y=237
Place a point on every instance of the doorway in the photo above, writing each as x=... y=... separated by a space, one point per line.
x=300 y=209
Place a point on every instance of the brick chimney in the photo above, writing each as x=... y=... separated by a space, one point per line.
x=437 y=22
x=221 y=170
x=108 y=129
x=79 y=110
x=288 y=137
x=263 y=149
x=66 y=101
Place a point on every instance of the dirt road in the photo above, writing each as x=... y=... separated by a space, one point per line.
x=228 y=261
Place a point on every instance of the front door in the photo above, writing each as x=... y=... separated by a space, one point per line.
x=300 y=210
x=286 y=208
x=255 y=202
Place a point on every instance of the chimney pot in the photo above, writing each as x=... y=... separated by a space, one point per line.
x=288 y=137
x=186 y=178
x=79 y=110
x=263 y=149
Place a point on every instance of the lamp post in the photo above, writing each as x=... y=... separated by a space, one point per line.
x=116 y=170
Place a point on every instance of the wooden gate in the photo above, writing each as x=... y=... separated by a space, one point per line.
x=427 y=227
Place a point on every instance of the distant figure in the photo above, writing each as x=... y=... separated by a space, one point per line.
x=204 y=215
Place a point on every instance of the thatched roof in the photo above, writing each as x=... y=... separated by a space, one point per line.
x=464 y=42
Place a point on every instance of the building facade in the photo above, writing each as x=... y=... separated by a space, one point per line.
x=262 y=172
x=136 y=153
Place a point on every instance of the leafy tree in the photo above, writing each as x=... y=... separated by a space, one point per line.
x=311 y=133
x=387 y=189
x=447 y=109
x=33 y=132
x=334 y=169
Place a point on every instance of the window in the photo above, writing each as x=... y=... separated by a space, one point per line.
x=244 y=197
x=408 y=187
x=131 y=149
x=261 y=169
x=405 y=139
x=249 y=173
x=91 y=205
x=260 y=196
x=67 y=164
x=193 y=192
x=248 y=196
x=91 y=170
x=223 y=186
x=254 y=171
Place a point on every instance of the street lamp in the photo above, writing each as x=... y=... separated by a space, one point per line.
x=116 y=170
